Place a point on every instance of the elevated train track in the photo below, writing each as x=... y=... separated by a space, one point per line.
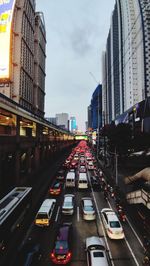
x=27 y=143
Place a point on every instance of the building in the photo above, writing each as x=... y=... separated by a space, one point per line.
x=126 y=62
x=20 y=28
x=52 y=120
x=73 y=124
x=96 y=108
x=63 y=120
x=89 y=118
x=39 y=64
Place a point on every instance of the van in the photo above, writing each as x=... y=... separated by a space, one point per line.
x=70 y=179
x=45 y=212
x=82 y=181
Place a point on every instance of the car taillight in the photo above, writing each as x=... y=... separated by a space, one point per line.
x=69 y=255
x=52 y=255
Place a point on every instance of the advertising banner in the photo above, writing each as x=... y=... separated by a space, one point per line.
x=6 y=13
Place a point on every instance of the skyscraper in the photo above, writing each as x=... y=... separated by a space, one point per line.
x=96 y=108
x=126 y=67
x=39 y=64
x=73 y=124
x=62 y=120
x=20 y=36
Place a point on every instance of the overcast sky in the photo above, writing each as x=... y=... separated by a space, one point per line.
x=76 y=32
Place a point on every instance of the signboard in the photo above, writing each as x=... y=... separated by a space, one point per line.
x=81 y=137
x=6 y=13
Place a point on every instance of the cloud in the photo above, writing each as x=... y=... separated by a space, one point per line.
x=80 y=40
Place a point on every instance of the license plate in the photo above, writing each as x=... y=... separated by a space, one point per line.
x=60 y=257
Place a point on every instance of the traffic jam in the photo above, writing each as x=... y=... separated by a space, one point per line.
x=81 y=221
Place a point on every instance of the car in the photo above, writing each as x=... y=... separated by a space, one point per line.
x=112 y=224
x=90 y=165
x=96 y=251
x=82 y=169
x=88 y=210
x=55 y=188
x=62 y=250
x=73 y=164
x=60 y=175
x=68 y=204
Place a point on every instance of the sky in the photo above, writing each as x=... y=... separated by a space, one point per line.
x=76 y=33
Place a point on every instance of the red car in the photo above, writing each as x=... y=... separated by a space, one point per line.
x=55 y=188
x=62 y=251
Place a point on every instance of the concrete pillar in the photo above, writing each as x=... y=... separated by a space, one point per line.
x=17 y=167
x=36 y=157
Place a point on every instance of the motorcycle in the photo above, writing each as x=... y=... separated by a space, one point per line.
x=122 y=217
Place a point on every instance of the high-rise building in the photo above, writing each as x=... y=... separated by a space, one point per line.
x=126 y=64
x=73 y=124
x=39 y=64
x=62 y=120
x=19 y=65
x=89 y=117
x=96 y=108
x=52 y=120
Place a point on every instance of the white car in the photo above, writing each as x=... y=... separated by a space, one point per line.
x=68 y=204
x=112 y=224
x=88 y=210
x=96 y=252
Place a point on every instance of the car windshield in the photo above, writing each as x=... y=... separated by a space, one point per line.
x=61 y=246
x=88 y=208
x=68 y=204
x=115 y=224
x=56 y=185
x=41 y=216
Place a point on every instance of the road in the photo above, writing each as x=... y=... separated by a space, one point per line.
x=128 y=251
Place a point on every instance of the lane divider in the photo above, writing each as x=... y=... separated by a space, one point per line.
x=57 y=214
x=78 y=214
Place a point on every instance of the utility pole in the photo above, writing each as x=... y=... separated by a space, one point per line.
x=116 y=166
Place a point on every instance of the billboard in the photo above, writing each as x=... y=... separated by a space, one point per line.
x=6 y=13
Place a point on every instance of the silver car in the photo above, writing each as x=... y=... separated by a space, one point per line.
x=68 y=204
x=88 y=209
x=96 y=252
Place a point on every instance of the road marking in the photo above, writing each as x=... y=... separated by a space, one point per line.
x=100 y=220
x=58 y=210
x=78 y=214
x=135 y=260
x=135 y=232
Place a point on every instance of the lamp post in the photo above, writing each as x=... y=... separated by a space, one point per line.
x=116 y=166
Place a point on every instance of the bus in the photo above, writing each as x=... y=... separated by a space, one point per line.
x=13 y=208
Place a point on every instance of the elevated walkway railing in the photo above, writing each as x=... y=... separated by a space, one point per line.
x=139 y=196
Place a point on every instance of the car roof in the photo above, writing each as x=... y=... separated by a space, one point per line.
x=94 y=241
x=87 y=201
x=68 y=197
x=112 y=216
x=97 y=261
